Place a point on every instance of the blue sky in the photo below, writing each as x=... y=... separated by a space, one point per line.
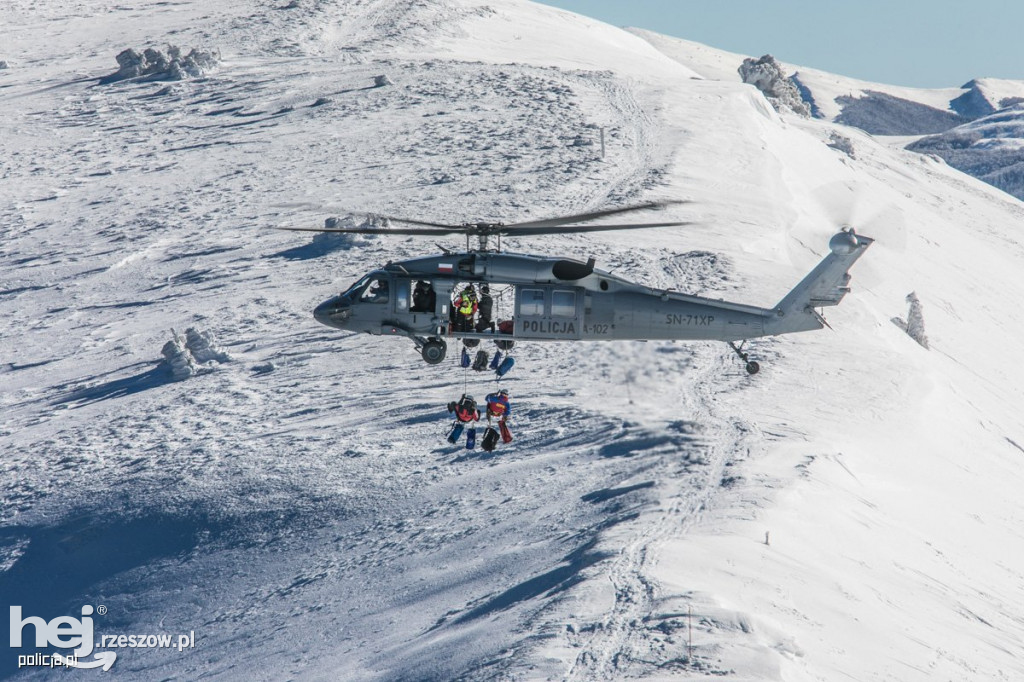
x=922 y=43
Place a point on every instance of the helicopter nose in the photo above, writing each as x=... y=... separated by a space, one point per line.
x=333 y=312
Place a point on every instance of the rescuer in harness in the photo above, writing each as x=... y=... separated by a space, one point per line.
x=464 y=307
x=498 y=407
x=466 y=412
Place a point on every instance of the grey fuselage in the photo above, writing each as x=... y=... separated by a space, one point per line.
x=558 y=299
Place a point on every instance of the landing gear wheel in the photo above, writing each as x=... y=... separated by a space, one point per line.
x=470 y=343
x=752 y=366
x=434 y=351
x=505 y=345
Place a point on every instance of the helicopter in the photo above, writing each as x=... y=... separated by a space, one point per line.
x=565 y=299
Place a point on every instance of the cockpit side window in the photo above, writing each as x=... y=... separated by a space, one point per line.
x=376 y=292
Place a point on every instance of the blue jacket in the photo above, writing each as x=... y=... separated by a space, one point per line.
x=498 y=405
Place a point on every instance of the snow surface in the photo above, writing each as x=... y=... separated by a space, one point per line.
x=298 y=507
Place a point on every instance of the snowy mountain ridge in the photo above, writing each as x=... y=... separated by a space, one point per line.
x=951 y=123
x=851 y=511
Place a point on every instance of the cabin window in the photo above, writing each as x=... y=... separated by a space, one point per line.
x=531 y=303
x=402 y=296
x=376 y=292
x=424 y=298
x=563 y=304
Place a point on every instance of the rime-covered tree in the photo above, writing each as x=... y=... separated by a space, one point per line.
x=766 y=75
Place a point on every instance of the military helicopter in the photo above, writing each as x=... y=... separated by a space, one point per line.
x=563 y=299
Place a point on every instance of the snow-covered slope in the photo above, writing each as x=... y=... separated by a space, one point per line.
x=990 y=148
x=296 y=506
x=983 y=114
x=828 y=92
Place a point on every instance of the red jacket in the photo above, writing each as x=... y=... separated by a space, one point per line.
x=467 y=412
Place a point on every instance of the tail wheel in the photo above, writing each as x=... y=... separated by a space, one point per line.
x=434 y=351
x=505 y=345
x=753 y=367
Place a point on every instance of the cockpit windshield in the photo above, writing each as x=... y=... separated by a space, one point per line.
x=357 y=287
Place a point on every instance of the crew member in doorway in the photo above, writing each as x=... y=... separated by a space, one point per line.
x=485 y=310
x=465 y=306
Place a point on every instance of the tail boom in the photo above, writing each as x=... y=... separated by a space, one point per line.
x=825 y=285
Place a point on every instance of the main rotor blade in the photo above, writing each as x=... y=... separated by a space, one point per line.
x=584 y=217
x=526 y=231
x=339 y=209
x=425 y=232
x=421 y=222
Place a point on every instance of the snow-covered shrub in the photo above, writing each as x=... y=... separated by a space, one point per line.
x=194 y=353
x=342 y=240
x=914 y=324
x=155 y=64
x=842 y=143
x=178 y=359
x=766 y=75
x=203 y=346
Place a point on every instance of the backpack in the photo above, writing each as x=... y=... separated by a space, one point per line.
x=505 y=366
x=480 y=364
x=490 y=440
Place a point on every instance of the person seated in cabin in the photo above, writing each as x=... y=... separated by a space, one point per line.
x=377 y=292
x=424 y=298
x=485 y=310
x=431 y=297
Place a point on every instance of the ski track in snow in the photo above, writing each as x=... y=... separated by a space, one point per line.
x=622 y=642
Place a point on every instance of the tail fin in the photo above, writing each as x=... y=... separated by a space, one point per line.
x=824 y=286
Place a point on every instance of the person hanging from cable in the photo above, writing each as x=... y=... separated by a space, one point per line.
x=499 y=407
x=466 y=412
